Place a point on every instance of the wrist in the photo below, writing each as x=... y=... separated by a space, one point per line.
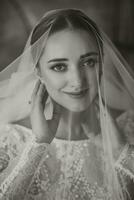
x=43 y=140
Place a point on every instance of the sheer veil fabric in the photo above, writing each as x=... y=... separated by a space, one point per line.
x=104 y=165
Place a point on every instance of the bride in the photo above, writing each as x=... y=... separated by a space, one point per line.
x=66 y=115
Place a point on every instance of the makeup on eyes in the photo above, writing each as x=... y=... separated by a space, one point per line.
x=60 y=65
x=89 y=62
x=66 y=59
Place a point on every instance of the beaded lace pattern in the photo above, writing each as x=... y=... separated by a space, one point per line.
x=64 y=170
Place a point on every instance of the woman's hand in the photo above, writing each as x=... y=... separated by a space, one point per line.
x=43 y=129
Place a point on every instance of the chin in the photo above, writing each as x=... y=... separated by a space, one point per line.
x=77 y=108
x=73 y=105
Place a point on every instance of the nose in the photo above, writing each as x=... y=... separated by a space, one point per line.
x=77 y=79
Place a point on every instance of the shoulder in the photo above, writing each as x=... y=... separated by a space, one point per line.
x=13 y=138
x=14 y=131
x=125 y=163
x=126 y=124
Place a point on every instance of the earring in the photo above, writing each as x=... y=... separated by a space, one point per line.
x=38 y=74
x=40 y=78
x=36 y=71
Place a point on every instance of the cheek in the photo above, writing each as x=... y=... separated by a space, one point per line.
x=53 y=81
x=93 y=83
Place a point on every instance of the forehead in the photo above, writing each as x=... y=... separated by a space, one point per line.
x=69 y=43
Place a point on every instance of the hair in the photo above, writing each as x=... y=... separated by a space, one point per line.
x=66 y=18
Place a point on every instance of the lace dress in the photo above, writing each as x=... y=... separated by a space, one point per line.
x=64 y=170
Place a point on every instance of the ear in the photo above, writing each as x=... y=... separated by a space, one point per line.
x=37 y=69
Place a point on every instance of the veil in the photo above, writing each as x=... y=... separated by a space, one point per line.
x=115 y=96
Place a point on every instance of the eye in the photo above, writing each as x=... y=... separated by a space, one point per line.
x=89 y=63
x=59 y=67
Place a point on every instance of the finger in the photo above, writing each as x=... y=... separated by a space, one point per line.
x=34 y=93
x=42 y=94
x=36 y=89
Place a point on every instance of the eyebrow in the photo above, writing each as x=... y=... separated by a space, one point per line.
x=89 y=54
x=65 y=59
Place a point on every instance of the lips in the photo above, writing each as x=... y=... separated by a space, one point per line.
x=79 y=94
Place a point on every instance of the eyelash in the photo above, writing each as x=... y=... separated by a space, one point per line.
x=59 y=65
x=64 y=66
x=90 y=62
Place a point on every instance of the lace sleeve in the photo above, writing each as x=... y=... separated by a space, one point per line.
x=126 y=124
x=125 y=163
x=20 y=156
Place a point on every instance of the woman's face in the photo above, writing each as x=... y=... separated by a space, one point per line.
x=68 y=68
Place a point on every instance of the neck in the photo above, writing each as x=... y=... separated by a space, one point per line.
x=72 y=125
x=69 y=126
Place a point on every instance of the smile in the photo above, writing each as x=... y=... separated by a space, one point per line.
x=79 y=94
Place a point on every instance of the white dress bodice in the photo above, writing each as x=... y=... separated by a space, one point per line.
x=63 y=170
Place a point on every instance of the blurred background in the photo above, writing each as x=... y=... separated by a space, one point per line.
x=17 y=17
